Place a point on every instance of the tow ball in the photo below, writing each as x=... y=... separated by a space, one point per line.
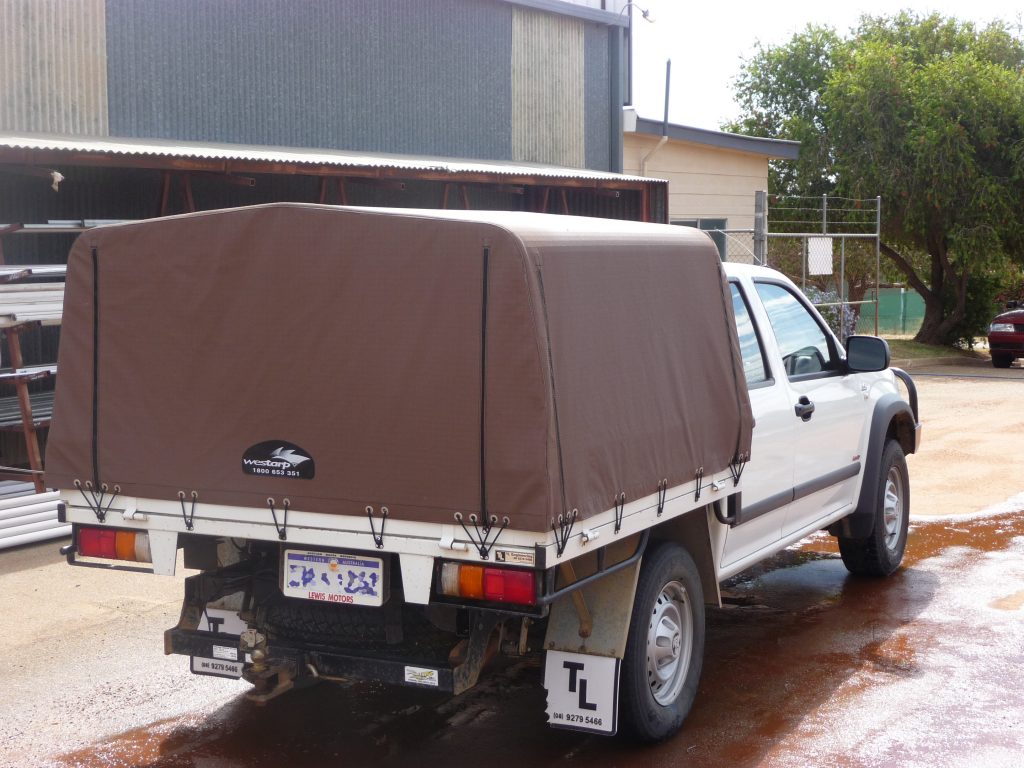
x=269 y=680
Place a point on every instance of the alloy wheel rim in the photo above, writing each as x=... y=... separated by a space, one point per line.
x=669 y=643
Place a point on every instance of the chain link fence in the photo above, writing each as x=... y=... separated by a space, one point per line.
x=829 y=246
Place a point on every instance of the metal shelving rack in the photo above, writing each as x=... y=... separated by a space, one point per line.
x=30 y=296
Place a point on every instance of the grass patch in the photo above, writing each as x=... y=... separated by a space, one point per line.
x=903 y=349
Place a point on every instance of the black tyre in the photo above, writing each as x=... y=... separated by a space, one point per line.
x=1001 y=361
x=665 y=645
x=326 y=623
x=882 y=551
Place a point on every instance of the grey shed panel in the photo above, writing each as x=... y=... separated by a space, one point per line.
x=390 y=75
x=597 y=96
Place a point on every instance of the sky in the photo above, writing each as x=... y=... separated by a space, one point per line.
x=707 y=42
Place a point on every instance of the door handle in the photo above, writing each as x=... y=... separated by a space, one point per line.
x=804 y=408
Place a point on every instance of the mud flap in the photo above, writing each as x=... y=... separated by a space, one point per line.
x=583 y=657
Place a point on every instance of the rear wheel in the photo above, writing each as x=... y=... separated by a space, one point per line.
x=881 y=552
x=1001 y=361
x=665 y=645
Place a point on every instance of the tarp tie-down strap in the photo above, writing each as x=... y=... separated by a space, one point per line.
x=554 y=391
x=737 y=466
x=100 y=511
x=662 y=493
x=191 y=515
x=698 y=480
x=564 y=530
x=282 y=530
x=740 y=458
x=378 y=538
x=620 y=507
x=99 y=503
x=480 y=535
x=483 y=384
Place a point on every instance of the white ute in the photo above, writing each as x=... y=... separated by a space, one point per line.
x=395 y=443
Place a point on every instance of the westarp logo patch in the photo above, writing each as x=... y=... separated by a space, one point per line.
x=278 y=458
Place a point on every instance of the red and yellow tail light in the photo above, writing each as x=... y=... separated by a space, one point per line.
x=113 y=544
x=491 y=583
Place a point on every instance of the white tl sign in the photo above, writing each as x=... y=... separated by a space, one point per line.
x=583 y=691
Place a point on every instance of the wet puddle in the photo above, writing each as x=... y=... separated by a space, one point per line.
x=804 y=665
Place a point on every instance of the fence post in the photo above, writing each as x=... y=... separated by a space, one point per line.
x=761 y=228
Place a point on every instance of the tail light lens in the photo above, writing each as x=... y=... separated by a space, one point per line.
x=112 y=544
x=498 y=585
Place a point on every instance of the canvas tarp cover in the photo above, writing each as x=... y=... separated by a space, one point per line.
x=432 y=362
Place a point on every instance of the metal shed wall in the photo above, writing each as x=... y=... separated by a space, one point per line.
x=598 y=116
x=484 y=79
x=53 y=66
x=391 y=75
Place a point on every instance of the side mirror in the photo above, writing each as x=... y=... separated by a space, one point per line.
x=865 y=354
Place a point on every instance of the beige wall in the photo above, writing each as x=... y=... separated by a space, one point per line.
x=53 y=59
x=547 y=89
x=703 y=182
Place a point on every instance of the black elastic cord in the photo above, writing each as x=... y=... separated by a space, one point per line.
x=282 y=529
x=189 y=518
x=483 y=528
x=662 y=493
x=554 y=397
x=564 y=530
x=620 y=508
x=483 y=382
x=740 y=458
x=95 y=367
x=100 y=505
x=378 y=539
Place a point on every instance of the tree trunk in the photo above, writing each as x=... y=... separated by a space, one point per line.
x=936 y=324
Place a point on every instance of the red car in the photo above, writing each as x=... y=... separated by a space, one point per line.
x=1006 y=337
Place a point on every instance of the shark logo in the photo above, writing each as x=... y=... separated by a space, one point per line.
x=278 y=459
x=289 y=455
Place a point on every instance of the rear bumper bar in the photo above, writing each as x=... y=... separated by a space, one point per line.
x=318 y=662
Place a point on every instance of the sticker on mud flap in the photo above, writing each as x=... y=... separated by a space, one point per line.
x=583 y=691
x=421 y=676
x=225 y=652
x=514 y=557
x=334 y=578
x=216 y=667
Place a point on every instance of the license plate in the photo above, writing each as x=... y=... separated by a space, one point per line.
x=334 y=578
x=216 y=667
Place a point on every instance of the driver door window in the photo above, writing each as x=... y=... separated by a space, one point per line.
x=804 y=346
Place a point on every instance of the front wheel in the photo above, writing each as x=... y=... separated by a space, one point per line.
x=665 y=645
x=881 y=553
x=1001 y=361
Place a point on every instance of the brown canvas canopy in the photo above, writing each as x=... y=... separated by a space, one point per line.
x=430 y=361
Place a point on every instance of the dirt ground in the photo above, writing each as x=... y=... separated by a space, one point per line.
x=970 y=449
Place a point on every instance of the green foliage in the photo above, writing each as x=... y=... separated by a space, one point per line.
x=982 y=305
x=927 y=112
x=780 y=91
x=1012 y=287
